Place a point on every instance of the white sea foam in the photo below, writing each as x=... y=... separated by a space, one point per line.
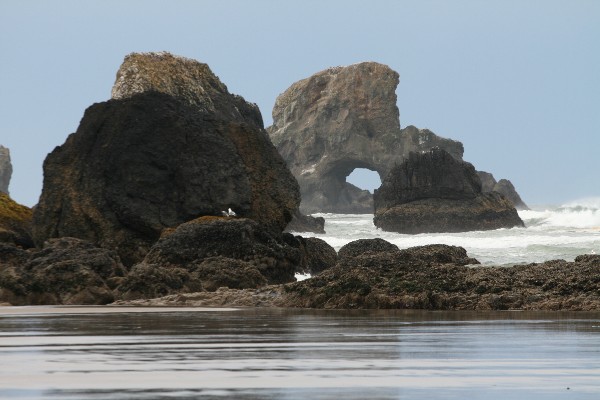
x=561 y=232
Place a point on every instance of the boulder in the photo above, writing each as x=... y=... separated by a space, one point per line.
x=306 y=223
x=434 y=192
x=64 y=271
x=15 y=222
x=5 y=169
x=316 y=254
x=340 y=119
x=209 y=252
x=503 y=186
x=363 y=246
x=172 y=145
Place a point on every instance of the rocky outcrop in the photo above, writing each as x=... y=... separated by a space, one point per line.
x=340 y=119
x=210 y=252
x=306 y=223
x=436 y=277
x=15 y=222
x=64 y=271
x=503 y=186
x=5 y=169
x=172 y=145
x=434 y=192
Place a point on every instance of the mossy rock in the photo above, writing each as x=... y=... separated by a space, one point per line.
x=15 y=222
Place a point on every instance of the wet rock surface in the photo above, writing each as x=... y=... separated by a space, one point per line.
x=340 y=119
x=434 y=192
x=64 y=271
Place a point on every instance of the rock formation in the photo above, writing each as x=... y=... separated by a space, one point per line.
x=340 y=119
x=65 y=271
x=5 y=169
x=172 y=145
x=15 y=222
x=437 y=277
x=211 y=252
x=503 y=186
x=306 y=223
x=434 y=192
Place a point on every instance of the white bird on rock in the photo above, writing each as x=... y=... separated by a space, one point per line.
x=229 y=213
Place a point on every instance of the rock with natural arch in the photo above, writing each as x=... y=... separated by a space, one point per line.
x=340 y=119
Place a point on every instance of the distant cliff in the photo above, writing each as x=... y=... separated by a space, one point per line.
x=340 y=119
x=5 y=169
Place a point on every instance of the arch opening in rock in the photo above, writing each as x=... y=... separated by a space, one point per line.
x=365 y=179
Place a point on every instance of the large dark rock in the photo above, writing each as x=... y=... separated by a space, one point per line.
x=5 y=169
x=209 y=252
x=65 y=271
x=433 y=192
x=15 y=222
x=340 y=119
x=306 y=223
x=503 y=186
x=171 y=146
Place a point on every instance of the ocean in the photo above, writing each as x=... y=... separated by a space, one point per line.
x=550 y=233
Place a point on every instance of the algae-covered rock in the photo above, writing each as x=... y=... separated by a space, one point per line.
x=15 y=222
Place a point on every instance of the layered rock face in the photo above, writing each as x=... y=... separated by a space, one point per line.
x=503 y=186
x=340 y=119
x=172 y=145
x=5 y=169
x=434 y=192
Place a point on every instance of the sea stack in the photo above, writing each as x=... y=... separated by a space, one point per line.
x=5 y=169
x=503 y=186
x=434 y=192
x=170 y=146
x=340 y=119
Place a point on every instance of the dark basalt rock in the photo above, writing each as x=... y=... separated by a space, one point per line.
x=209 y=252
x=436 y=277
x=306 y=223
x=433 y=192
x=317 y=255
x=503 y=186
x=173 y=145
x=363 y=246
x=340 y=119
x=65 y=271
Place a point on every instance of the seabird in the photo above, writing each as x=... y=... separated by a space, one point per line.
x=229 y=213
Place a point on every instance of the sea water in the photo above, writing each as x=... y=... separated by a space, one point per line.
x=551 y=232
x=87 y=353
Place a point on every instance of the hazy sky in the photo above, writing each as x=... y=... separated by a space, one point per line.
x=518 y=82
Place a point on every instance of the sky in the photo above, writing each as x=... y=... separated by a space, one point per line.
x=516 y=81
